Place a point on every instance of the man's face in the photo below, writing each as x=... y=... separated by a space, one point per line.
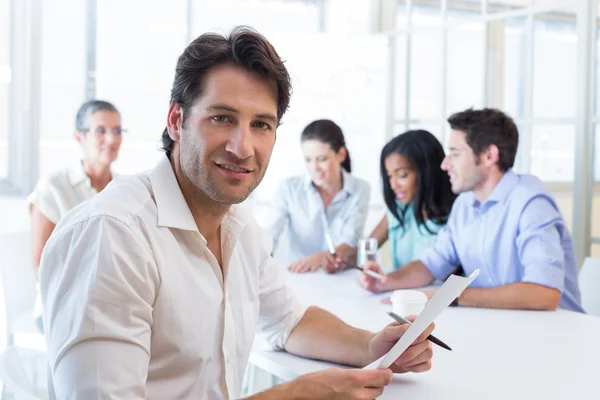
x=462 y=165
x=228 y=136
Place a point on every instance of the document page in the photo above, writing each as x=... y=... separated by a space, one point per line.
x=446 y=294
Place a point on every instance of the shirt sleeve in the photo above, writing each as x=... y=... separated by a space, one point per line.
x=44 y=200
x=280 y=310
x=280 y=214
x=539 y=244
x=98 y=283
x=441 y=259
x=354 y=225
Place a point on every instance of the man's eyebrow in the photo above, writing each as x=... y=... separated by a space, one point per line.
x=225 y=107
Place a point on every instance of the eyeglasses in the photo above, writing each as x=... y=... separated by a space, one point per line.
x=101 y=131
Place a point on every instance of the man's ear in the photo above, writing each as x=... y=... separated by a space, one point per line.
x=491 y=156
x=175 y=121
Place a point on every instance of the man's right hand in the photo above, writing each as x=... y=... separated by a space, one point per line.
x=372 y=284
x=333 y=384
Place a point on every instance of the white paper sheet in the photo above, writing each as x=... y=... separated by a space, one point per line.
x=445 y=295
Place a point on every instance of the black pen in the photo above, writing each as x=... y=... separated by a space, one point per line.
x=431 y=338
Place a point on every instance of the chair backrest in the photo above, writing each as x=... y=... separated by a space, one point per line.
x=13 y=375
x=589 y=285
x=16 y=272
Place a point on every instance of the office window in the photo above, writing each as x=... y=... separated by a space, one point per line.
x=62 y=81
x=513 y=65
x=426 y=15
x=136 y=57
x=426 y=74
x=439 y=130
x=554 y=65
x=553 y=152
x=465 y=64
x=400 y=81
x=347 y=89
x=270 y=18
x=5 y=78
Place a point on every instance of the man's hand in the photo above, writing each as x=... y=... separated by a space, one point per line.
x=372 y=284
x=334 y=384
x=417 y=358
x=309 y=264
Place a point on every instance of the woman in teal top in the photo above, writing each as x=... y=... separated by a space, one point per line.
x=417 y=194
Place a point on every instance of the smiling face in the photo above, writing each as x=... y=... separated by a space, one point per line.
x=228 y=136
x=402 y=177
x=323 y=164
x=464 y=168
x=102 y=139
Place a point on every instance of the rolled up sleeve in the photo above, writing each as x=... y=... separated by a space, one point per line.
x=441 y=259
x=98 y=283
x=539 y=244
x=280 y=310
x=44 y=200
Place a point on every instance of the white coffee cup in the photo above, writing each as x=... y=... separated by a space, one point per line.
x=408 y=302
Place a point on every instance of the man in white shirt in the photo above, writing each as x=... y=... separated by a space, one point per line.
x=156 y=285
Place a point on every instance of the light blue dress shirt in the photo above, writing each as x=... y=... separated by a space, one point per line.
x=298 y=207
x=410 y=242
x=517 y=235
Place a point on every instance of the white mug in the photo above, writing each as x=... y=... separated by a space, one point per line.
x=408 y=302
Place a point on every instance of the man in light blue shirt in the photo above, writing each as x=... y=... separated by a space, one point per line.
x=506 y=225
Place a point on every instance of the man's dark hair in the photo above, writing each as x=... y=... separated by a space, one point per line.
x=488 y=127
x=244 y=48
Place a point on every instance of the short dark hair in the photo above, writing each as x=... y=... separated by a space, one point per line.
x=327 y=131
x=486 y=127
x=244 y=48
x=87 y=109
x=434 y=197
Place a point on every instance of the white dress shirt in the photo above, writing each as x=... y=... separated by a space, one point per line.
x=136 y=306
x=57 y=193
x=298 y=209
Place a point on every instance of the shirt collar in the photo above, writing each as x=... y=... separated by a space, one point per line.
x=504 y=187
x=77 y=175
x=172 y=209
x=348 y=182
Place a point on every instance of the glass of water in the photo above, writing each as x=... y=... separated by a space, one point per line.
x=367 y=251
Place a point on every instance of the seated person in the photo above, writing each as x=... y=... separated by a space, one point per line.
x=98 y=132
x=154 y=288
x=328 y=198
x=417 y=194
x=506 y=225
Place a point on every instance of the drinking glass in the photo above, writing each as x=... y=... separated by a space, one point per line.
x=367 y=250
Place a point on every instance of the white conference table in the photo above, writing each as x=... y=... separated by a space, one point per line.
x=497 y=354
